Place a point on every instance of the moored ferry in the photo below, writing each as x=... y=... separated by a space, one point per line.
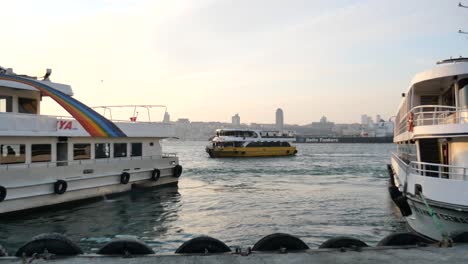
x=430 y=181
x=50 y=160
x=250 y=143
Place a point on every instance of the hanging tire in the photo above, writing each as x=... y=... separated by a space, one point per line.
x=403 y=239
x=403 y=205
x=3 y=193
x=124 y=247
x=343 y=242
x=201 y=245
x=277 y=241
x=155 y=175
x=124 y=178
x=60 y=187
x=54 y=243
x=177 y=171
x=461 y=238
x=394 y=192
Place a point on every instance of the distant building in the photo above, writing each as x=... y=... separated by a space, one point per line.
x=367 y=120
x=236 y=120
x=167 y=118
x=279 y=120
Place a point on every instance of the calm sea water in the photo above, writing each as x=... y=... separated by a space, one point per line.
x=327 y=190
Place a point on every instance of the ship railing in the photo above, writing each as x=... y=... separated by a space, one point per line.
x=52 y=164
x=428 y=115
x=438 y=170
x=130 y=111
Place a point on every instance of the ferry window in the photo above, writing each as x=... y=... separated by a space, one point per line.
x=136 y=150
x=81 y=151
x=27 y=105
x=12 y=154
x=102 y=150
x=120 y=150
x=41 y=152
x=6 y=104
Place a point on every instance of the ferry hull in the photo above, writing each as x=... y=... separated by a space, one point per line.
x=452 y=217
x=251 y=152
x=105 y=180
x=453 y=221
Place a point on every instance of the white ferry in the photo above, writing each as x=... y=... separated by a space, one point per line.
x=250 y=143
x=430 y=182
x=50 y=160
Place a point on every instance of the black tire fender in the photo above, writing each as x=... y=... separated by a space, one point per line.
x=124 y=178
x=54 y=243
x=394 y=192
x=203 y=244
x=177 y=171
x=60 y=187
x=155 y=174
x=277 y=241
x=3 y=193
x=403 y=239
x=125 y=246
x=343 y=242
x=403 y=205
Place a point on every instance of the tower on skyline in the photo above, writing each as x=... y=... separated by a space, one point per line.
x=279 y=120
x=167 y=118
x=236 y=120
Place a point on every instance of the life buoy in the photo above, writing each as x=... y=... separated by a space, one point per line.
x=124 y=178
x=155 y=174
x=410 y=121
x=3 y=193
x=60 y=187
x=177 y=171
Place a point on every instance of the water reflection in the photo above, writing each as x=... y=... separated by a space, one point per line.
x=144 y=214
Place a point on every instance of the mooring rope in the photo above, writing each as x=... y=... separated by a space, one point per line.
x=446 y=241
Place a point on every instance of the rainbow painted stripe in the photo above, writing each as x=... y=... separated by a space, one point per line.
x=94 y=123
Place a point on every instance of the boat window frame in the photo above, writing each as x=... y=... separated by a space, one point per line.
x=8 y=103
x=35 y=148
x=132 y=153
x=97 y=154
x=87 y=157
x=124 y=154
x=21 y=154
x=23 y=110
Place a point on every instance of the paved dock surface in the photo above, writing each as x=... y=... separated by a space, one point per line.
x=431 y=254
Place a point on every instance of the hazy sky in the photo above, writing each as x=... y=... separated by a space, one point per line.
x=210 y=59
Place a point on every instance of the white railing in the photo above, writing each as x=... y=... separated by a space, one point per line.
x=429 y=115
x=438 y=170
x=131 y=111
x=51 y=164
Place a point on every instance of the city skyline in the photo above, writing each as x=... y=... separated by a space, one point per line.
x=236 y=120
x=209 y=59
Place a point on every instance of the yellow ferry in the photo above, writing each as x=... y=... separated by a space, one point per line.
x=250 y=143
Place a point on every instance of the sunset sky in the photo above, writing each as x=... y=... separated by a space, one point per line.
x=210 y=59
